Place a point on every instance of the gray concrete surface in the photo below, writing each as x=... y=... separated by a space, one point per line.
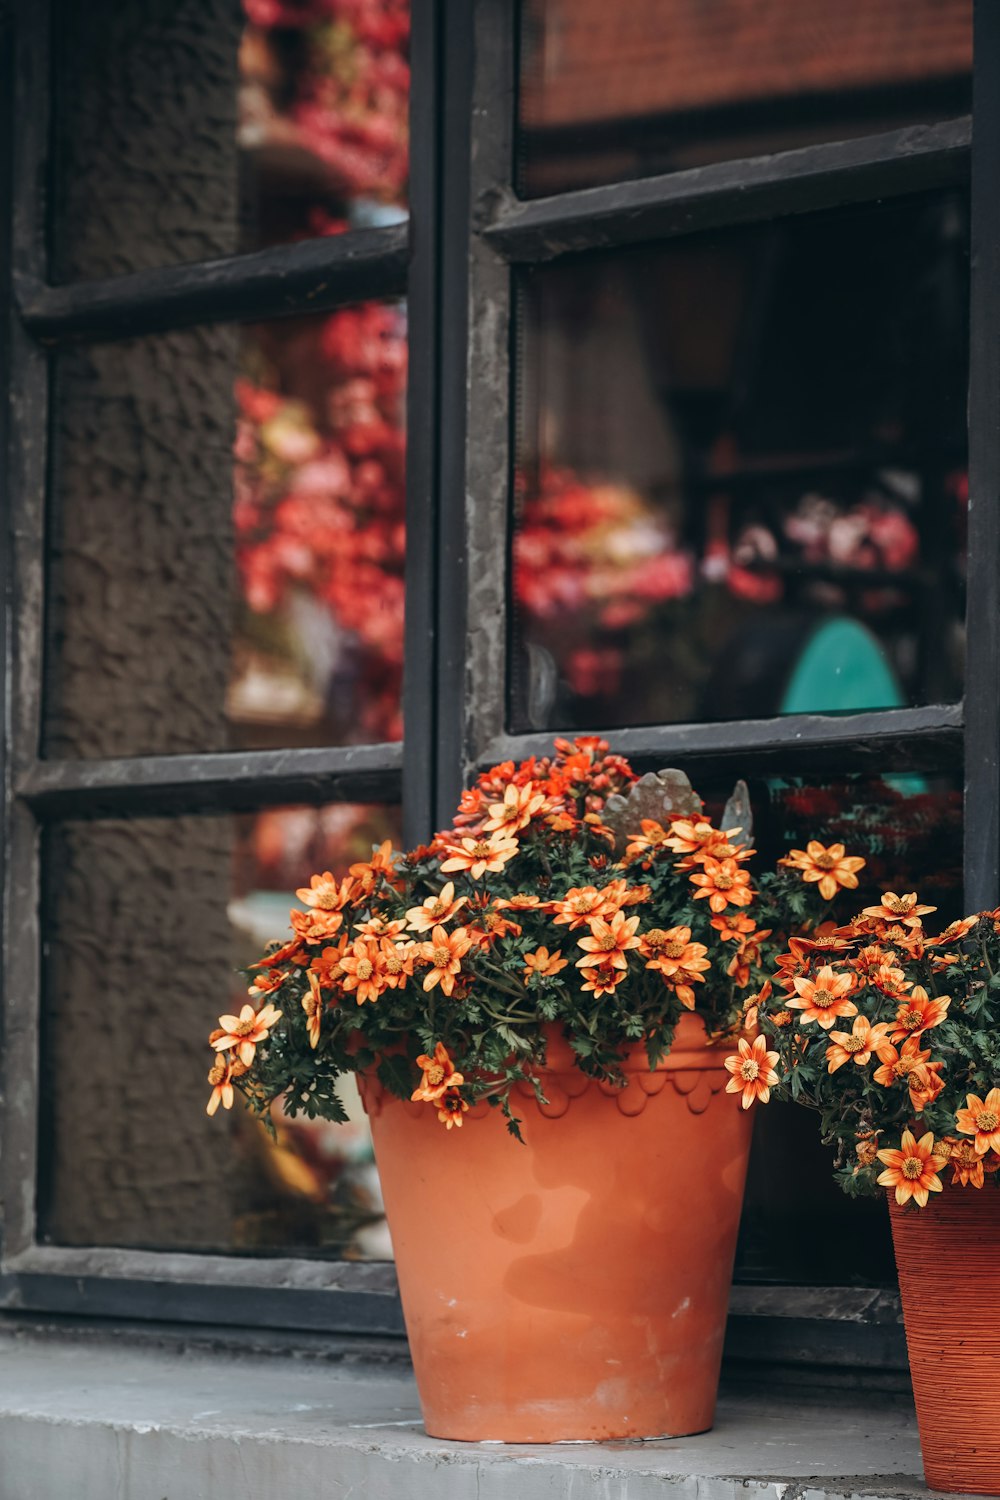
x=92 y=1422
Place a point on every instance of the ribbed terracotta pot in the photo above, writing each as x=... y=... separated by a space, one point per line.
x=575 y=1286
x=948 y=1257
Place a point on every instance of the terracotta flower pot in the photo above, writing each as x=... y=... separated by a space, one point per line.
x=575 y=1286
x=948 y=1256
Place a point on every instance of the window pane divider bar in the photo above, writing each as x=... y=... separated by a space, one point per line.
x=982 y=764
x=228 y=781
x=308 y=276
x=864 y=741
x=913 y=159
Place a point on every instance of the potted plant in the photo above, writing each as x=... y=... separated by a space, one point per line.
x=892 y=1035
x=567 y=966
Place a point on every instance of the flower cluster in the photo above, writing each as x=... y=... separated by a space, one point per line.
x=553 y=901
x=891 y=1034
x=320 y=499
x=331 y=78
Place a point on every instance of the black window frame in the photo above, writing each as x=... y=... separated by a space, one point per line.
x=456 y=261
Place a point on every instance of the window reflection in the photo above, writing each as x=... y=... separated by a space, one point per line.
x=323 y=116
x=741 y=485
x=148 y=921
x=612 y=92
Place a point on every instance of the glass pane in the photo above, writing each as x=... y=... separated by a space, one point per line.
x=147 y=920
x=193 y=130
x=741 y=473
x=227 y=537
x=609 y=93
x=797 y=1226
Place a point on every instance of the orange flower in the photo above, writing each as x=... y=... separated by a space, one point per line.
x=379 y=926
x=444 y=953
x=723 y=883
x=367 y=872
x=981 y=1118
x=603 y=979
x=520 y=902
x=699 y=839
x=244 y=1033
x=396 y=962
x=451 y=1107
x=953 y=933
x=312 y=1004
x=731 y=926
x=752 y=1004
x=896 y=1066
x=326 y=892
x=362 y=970
x=682 y=963
x=857 y=1045
x=653 y=836
x=542 y=963
x=913 y=1170
x=519 y=806
x=608 y=942
x=439 y=1076
x=265 y=984
x=925 y=1085
x=315 y=925
x=476 y=856
x=753 y=1072
x=578 y=906
x=918 y=1013
x=435 y=910
x=899 y=909
x=328 y=964
x=747 y=953
x=220 y=1077
x=824 y=998
x=966 y=1164
x=829 y=867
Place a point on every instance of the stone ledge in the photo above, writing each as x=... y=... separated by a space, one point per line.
x=108 y=1420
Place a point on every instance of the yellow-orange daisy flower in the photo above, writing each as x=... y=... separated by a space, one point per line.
x=895 y=1065
x=451 y=1107
x=753 y=1072
x=328 y=965
x=912 y=1170
x=966 y=1164
x=731 y=926
x=316 y=925
x=723 y=883
x=829 y=867
x=326 y=892
x=476 y=856
x=220 y=1077
x=856 y=1045
x=918 y=1013
x=362 y=970
x=903 y=910
x=444 y=952
x=824 y=998
x=312 y=1004
x=543 y=963
x=653 y=836
x=981 y=1118
x=439 y=1075
x=436 y=909
x=603 y=979
x=396 y=962
x=520 y=804
x=578 y=906
x=608 y=942
x=243 y=1033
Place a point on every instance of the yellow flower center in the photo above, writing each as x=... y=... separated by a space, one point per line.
x=244 y=1028
x=434 y=1075
x=441 y=957
x=364 y=968
x=437 y=906
x=782 y=1018
x=749 y=1069
x=481 y=850
x=912 y=1167
x=986 y=1120
x=963 y=1155
x=217 y=1074
x=824 y=861
x=911 y=1019
x=325 y=898
x=898 y=905
x=583 y=904
x=674 y=949
x=855 y=1044
x=393 y=964
x=609 y=941
x=724 y=882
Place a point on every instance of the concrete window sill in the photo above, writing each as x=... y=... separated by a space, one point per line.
x=101 y=1418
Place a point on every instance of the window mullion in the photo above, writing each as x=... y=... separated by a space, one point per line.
x=915 y=159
